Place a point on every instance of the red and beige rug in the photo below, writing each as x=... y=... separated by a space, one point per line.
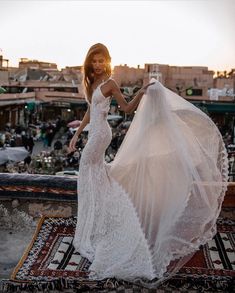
x=50 y=262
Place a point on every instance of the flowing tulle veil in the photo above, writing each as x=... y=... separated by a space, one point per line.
x=173 y=165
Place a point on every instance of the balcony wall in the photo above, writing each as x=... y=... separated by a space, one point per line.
x=39 y=195
x=54 y=195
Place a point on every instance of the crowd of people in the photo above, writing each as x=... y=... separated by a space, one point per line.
x=18 y=136
x=55 y=137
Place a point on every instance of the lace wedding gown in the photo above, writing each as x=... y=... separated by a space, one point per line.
x=141 y=217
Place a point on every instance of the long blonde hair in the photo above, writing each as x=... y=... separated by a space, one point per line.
x=88 y=75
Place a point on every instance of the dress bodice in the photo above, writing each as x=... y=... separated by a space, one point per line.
x=99 y=106
x=100 y=133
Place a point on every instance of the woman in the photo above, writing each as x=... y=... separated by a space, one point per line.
x=141 y=217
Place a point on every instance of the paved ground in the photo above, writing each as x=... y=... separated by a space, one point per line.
x=12 y=245
x=16 y=231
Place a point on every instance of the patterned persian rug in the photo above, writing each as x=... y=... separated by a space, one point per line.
x=50 y=262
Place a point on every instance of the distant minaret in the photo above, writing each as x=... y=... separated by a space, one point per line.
x=155 y=73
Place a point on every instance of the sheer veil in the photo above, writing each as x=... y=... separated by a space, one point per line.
x=173 y=165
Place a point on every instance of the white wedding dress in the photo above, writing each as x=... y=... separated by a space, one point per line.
x=141 y=217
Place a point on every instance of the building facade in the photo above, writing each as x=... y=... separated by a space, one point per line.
x=128 y=76
x=60 y=91
x=38 y=91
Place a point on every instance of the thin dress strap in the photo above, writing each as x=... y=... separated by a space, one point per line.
x=103 y=82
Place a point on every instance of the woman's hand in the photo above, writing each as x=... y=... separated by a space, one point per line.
x=72 y=144
x=144 y=88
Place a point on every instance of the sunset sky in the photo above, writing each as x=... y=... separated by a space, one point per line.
x=176 y=32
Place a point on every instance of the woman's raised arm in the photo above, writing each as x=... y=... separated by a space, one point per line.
x=125 y=106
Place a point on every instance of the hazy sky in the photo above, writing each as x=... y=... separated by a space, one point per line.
x=176 y=32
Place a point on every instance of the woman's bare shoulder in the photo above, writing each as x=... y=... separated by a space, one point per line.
x=113 y=84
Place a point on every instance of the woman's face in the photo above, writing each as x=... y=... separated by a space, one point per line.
x=98 y=63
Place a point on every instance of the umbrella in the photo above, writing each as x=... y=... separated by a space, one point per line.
x=74 y=123
x=14 y=154
x=114 y=117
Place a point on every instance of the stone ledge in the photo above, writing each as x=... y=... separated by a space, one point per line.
x=58 y=188
x=44 y=187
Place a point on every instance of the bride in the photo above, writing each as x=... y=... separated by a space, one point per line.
x=141 y=217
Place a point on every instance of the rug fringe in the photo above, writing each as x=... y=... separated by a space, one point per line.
x=58 y=284
x=201 y=284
